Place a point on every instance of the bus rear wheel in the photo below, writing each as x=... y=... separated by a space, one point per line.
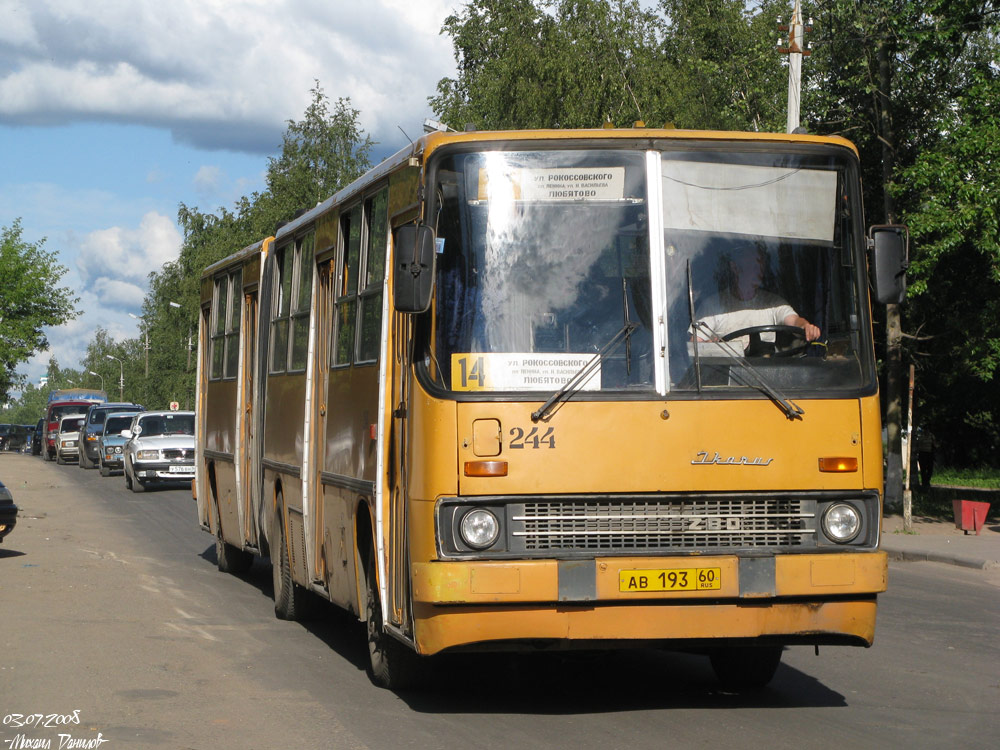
x=745 y=668
x=390 y=664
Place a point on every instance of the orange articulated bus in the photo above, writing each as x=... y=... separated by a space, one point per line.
x=489 y=396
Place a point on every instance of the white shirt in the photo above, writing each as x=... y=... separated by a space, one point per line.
x=729 y=314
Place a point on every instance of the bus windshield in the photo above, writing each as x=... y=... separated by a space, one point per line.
x=713 y=262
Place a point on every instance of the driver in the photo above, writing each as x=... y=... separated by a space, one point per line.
x=743 y=304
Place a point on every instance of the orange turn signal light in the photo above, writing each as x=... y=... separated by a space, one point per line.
x=485 y=468
x=838 y=464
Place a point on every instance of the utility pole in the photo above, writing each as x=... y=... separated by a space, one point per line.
x=795 y=51
x=893 y=316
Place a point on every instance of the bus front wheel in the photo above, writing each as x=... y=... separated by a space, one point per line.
x=745 y=668
x=290 y=600
x=390 y=664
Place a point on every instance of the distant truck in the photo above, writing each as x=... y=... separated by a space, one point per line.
x=61 y=403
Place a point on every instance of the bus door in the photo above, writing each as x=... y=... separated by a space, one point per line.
x=247 y=455
x=322 y=538
x=397 y=404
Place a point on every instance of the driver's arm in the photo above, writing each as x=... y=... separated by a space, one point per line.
x=812 y=332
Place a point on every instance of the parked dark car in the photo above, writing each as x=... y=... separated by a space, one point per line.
x=8 y=512
x=13 y=437
x=91 y=435
x=36 y=441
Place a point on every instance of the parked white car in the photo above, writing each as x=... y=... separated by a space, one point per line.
x=160 y=448
x=68 y=437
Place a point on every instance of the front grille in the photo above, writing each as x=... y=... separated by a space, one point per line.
x=647 y=525
x=172 y=454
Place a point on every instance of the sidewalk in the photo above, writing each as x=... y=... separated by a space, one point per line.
x=935 y=540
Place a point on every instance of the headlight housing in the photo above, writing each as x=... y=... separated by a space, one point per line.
x=147 y=455
x=842 y=522
x=479 y=528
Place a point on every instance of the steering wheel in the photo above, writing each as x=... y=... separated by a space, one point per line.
x=796 y=349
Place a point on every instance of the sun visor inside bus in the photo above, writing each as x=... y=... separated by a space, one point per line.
x=413 y=278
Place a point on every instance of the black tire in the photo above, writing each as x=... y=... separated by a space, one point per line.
x=291 y=601
x=134 y=484
x=59 y=459
x=745 y=668
x=230 y=559
x=391 y=664
x=105 y=471
x=128 y=479
x=84 y=462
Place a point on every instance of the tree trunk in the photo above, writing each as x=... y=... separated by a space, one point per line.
x=893 y=323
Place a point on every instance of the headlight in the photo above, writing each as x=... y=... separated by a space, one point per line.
x=479 y=528
x=147 y=455
x=118 y=449
x=842 y=522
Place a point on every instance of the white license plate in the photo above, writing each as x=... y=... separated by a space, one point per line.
x=181 y=470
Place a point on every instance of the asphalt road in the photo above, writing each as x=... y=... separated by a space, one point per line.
x=115 y=619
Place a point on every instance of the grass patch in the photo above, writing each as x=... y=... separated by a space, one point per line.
x=983 y=478
x=937 y=503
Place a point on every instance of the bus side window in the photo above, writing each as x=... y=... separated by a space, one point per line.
x=370 y=299
x=347 y=286
x=299 y=336
x=282 y=305
x=232 y=329
x=219 y=325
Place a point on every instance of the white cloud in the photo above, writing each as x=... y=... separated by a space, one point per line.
x=119 y=294
x=208 y=179
x=129 y=254
x=222 y=73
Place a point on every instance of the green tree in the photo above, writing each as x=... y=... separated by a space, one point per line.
x=30 y=299
x=582 y=63
x=890 y=74
x=953 y=188
x=550 y=64
x=320 y=154
x=725 y=72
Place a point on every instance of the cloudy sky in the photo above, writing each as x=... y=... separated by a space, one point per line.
x=114 y=112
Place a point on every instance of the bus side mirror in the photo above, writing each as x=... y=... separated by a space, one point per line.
x=413 y=274
x=890 y=259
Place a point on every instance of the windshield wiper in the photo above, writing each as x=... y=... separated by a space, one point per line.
x=583 y=374
x=792 y=410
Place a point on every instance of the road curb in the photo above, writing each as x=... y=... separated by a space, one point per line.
x=966 y=562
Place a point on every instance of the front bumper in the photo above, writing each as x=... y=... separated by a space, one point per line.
x=794 y=598
x=163 y=471
x=70 y=451
x=8 y=518
x=92 y=449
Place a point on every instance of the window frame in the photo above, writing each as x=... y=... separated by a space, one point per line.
x=351 y=298
x=372 y=288
x=292 y=313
